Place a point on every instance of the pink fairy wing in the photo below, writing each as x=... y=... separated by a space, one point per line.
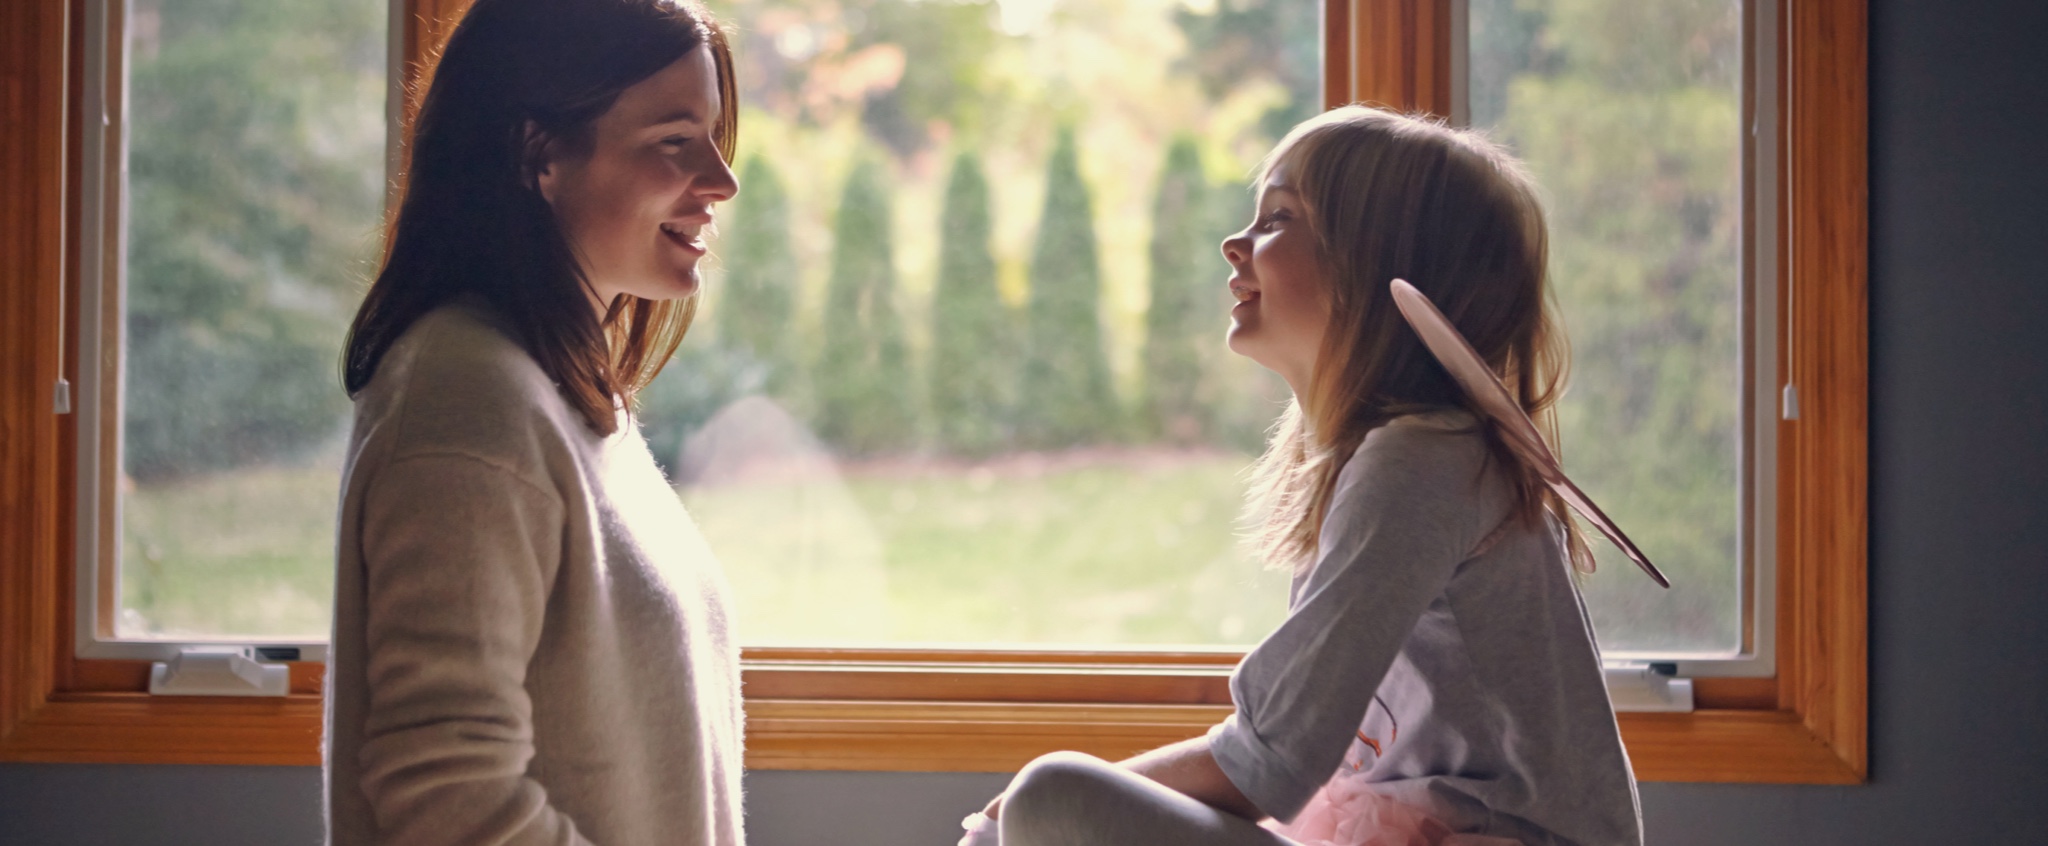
x=1499 y=406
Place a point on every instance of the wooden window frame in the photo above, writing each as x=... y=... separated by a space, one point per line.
x=957 y=710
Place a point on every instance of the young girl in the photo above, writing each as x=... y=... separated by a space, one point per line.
x=531 y=643
x=1436 y=680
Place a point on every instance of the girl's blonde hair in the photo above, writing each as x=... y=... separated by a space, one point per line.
x=1394 y=196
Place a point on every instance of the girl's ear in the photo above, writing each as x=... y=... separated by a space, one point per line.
x=536 y=165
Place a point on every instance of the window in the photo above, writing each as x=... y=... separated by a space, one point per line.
x=250 y=142
x=961 y=382
x=967 y=706
x=1632 y=119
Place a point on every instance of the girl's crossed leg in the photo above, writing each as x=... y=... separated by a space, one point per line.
x=1072 y=799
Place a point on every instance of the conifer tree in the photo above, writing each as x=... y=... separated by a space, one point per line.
x=971 y=361
x=1066 y=396
x=1186 y=275
x=863 y=376
x=758 y=300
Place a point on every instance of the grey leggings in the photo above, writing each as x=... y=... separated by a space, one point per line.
x=1071 y=799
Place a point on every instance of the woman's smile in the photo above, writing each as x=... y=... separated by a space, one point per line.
x=689 y=238
x=652 y=158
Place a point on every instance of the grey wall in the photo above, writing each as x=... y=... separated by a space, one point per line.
x=1959 y=522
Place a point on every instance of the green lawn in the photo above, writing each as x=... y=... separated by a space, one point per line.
x=249 y=553
x=1121 y=548
x=1127 y=547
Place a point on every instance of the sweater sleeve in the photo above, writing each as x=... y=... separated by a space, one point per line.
x=459 y=555
x=1397 y=527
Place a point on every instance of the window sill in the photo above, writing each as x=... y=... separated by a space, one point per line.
x=1715 y=745
x=858 y=713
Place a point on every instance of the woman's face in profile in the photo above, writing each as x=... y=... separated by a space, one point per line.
x=635 y=205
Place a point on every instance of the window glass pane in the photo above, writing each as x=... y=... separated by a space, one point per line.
x=255 y=158
x=961 y=378
x=1629 y=115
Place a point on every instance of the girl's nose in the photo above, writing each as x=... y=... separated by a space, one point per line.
x=1237 y=249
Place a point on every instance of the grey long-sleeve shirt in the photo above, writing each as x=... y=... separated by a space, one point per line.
x=1460 y=680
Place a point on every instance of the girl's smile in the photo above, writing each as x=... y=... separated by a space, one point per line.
x=1283 y=301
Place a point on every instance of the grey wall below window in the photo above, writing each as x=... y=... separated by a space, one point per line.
x=1959 y=523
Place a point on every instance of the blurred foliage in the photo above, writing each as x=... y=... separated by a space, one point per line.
x=1245 y=41
x=760 y=276
x=816 y=62
x=1628 y=116
x=863 y=378
x=972 y=368
x=1180 y=319
x=924 y=264
x=698 y=381
x=1066 y=372
x=255 y=183
x=946 y=83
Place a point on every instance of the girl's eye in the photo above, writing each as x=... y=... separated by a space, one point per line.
x=676 y=142
x=1270 y=218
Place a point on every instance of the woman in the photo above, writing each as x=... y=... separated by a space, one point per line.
x=1435 y=682
x=531 y=643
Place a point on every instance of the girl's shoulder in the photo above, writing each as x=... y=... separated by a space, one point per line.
x=1433 y=467
x=1437 y=444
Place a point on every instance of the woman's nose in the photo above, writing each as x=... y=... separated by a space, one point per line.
x=718 y=184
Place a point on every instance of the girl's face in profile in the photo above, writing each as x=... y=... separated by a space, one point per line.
x=636 y=203
x=1282 y=294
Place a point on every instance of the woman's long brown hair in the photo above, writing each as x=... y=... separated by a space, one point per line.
x=1393 y=196
x=471 y=221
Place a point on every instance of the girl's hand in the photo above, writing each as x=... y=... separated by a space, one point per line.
x=981 y=829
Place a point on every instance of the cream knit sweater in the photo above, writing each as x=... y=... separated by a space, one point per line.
x=531 y=641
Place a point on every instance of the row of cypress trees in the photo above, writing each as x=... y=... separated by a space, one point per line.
x=994 y=377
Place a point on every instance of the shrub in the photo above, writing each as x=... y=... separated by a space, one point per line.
x=862 y=379
x=972 y=359
x=757 y=303
x=1066 y=397
x=1186 y=282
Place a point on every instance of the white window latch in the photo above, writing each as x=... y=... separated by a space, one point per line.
x=1649 y=688
x=218 y=671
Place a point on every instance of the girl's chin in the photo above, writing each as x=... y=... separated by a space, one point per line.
x=1244 y=343
x=1240 y=339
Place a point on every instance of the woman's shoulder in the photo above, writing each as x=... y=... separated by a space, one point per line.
x=457 y=381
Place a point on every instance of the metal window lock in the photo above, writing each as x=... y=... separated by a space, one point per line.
x=218 y=671
x=1653 y=688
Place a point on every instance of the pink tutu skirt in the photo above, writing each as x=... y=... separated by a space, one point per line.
x=1348 y=812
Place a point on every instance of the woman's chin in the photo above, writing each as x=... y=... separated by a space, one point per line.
x=673 y=287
